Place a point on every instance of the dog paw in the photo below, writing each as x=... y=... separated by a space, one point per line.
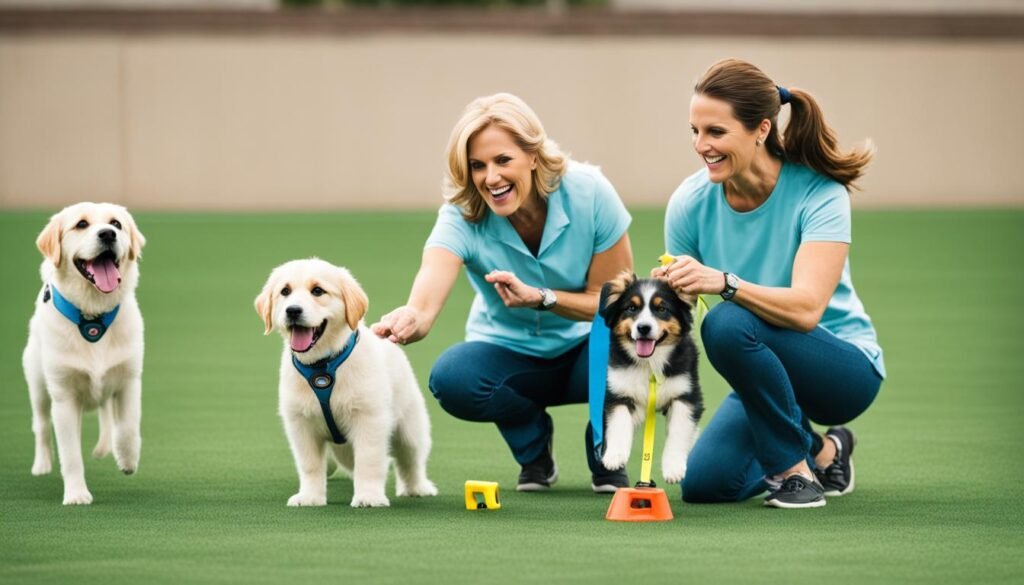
x=673 y=469
x=615 y=459
x=80 y=497
x=101 y=450
x=364 y=501
x=422 y=489
x=42 y=466
x=301 y=500
x=128 y=467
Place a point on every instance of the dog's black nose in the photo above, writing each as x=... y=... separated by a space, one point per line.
x=293 y=311
x=643 y=329
x=107 y=235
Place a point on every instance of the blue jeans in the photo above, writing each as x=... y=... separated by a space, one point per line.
x=483 y=382
x=782 y=380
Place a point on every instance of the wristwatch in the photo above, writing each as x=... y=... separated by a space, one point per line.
x=547 y=299
x=732 y=283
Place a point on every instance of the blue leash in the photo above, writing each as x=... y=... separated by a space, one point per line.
x=91 y=329
x=321 y=378
x=597 y=370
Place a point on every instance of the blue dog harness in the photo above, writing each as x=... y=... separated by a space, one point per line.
x=91 y=329
x=321 y=377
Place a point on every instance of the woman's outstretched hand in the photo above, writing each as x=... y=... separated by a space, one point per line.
x=513 y=291
x=399 y=326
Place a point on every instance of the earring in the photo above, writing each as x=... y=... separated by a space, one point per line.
x=758 y=142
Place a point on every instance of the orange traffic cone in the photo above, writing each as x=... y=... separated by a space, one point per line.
x=642 y=504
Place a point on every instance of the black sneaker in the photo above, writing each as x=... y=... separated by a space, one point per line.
x=797 y=492
x=538 y=475
x=606 y=482
x=837 y=478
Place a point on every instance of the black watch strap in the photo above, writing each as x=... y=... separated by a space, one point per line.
x=731 y=284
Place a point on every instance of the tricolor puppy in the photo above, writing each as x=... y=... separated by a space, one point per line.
x=84 y=346
x=341 y=387
x=650 y=333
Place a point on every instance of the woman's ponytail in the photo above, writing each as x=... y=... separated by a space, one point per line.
x=809 y=141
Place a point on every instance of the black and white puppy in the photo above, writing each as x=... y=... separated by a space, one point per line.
x=650 y=333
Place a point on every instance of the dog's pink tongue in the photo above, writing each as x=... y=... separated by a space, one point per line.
x=644 y=347
x=104 y=273
x=302 y=338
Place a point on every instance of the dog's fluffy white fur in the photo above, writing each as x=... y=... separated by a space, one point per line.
x=376 y=401
x=91 y=252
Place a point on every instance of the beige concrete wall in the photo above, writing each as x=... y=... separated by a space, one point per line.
x=177 y=121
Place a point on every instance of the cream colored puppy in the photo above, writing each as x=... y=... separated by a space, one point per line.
x=85 y=341
x=367 y=387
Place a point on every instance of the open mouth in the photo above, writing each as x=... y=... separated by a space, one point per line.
x=304 y=338
x=712 y=160
x=645 y=347
x=500 y=194
x=102 y=271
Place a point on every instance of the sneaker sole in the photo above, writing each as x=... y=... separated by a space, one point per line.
x=603 y=489
x=777 y=504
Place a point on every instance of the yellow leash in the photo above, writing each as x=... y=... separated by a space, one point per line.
x=645 y=467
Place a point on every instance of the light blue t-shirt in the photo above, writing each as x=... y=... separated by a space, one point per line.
x=585 y=217
x=760 y=245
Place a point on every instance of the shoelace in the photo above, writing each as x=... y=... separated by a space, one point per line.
x=793 y=484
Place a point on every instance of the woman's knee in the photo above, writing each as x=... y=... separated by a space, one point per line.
x=706 y=484
x=456 y=384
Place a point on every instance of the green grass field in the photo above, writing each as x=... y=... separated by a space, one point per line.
x=937 y=459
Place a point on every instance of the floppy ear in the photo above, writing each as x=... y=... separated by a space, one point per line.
x=138 y=240
x=48 y=241
x=610 y=293
x=356 y=301
x=265 y=305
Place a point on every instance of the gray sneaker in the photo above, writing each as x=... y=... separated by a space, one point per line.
x=538 y=475
x=607 y=482
x=837 y=478
x=797 y=492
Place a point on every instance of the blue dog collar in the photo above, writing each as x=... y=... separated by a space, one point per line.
x=91 y=329
x=321 y=378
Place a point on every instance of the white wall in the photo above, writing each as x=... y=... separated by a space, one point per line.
x=178 y=121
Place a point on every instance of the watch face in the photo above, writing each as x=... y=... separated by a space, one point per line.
x=547 y=298
x=732 y=280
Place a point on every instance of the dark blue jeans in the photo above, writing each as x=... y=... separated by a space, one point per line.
x=483 y=382
x=782 y=380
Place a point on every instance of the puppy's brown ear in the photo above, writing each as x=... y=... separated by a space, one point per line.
x=612 y=290
x=356 y=301
x=265 y=306
x=48 y=241
x=138 y=240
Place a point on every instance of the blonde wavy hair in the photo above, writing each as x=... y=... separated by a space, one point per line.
x=513 y=115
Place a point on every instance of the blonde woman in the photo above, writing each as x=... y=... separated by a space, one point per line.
x=766 y=225
x=538 y=235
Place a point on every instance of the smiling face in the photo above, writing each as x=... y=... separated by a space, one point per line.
x=725 y=146
x=313 y=304
x=501 y=170
x=644 y=315
x=93 y=240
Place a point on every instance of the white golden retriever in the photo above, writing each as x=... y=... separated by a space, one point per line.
x=367 y=383
x=85 y=341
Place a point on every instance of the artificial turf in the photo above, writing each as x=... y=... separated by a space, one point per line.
x=937 y=458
